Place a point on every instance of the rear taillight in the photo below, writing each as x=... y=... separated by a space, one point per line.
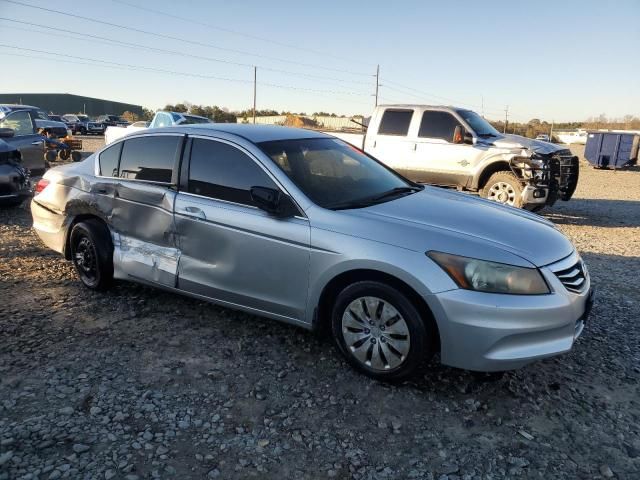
x=41 y=185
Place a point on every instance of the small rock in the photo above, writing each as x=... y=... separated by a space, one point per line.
x=5 y=457
x=95 y=411
x=109 y=474
x=606 y=471
x=526 y=435
x=80 y=448
x=66 y=411
x=263 y=443
x=213 y=473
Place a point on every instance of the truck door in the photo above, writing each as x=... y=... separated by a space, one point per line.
x=435 y=158
x=26 y=140
x=390 y=143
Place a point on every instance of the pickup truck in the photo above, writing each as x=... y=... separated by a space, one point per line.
x=160 y=119
x=21 y=124
x=456 y=147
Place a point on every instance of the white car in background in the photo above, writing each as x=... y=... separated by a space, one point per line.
x=161 y=119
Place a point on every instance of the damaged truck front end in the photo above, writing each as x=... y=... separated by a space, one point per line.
x=546 y=177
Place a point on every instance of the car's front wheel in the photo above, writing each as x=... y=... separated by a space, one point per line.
x=92 y=254
x=505 y=188
x=380 y=331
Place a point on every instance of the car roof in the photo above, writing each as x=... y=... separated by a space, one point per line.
x=16 y=106
x=252 y=133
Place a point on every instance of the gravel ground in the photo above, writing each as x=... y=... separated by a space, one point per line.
x=137 y=383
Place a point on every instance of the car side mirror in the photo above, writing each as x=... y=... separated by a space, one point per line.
x=273 y=201
x=7 y=132
x=462 y=136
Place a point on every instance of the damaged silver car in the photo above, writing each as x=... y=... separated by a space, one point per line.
x=302 y=227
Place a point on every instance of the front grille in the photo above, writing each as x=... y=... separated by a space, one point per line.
x=573 y=278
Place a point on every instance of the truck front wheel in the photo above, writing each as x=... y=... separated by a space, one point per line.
x=503 y=187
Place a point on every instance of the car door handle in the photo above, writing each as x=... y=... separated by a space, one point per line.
x=196 y=212
x=38 y=142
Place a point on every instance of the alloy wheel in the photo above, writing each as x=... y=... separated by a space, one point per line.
x=85 y=258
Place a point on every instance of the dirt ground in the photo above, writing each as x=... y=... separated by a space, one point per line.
x=138 y=383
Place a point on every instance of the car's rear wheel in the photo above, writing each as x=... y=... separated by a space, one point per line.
x=380 y=332
x=505 y=188
x=92 y=254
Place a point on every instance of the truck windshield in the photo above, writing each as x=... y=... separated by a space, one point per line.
x=335 y=175
x=480 y=126
x=189 y=119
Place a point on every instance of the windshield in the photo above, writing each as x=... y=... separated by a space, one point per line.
x=83 y=118
x=479 y=125
x=42 y=115
x=189 y=119
x=335 y=175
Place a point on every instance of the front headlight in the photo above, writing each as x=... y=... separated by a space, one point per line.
x=491 y=277
x=69 y=133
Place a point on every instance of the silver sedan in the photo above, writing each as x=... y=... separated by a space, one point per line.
x=304 y=228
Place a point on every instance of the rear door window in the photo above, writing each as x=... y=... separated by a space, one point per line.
x=222 y=171
x=436 y=124
x=151 y=158
x=395 y=122
x=109 y=160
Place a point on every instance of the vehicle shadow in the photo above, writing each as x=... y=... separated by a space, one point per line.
x=595 y=213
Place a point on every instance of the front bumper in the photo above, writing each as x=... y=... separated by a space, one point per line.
x=556 y=178
x=493 y=332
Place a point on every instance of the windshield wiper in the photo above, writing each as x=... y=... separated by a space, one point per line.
x=367 y=202
x=395 y=192
x=486 y=135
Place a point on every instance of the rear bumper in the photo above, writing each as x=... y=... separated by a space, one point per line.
x=49 y=226
x=491 y=332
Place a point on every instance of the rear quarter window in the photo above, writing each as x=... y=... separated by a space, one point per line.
x=395 y=122
x=149 y=158
x=109 y=159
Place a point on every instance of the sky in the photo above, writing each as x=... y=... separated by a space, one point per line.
x=553 y=60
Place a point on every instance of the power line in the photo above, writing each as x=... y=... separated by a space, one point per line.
x=193 y=42
x=243 y=34
x=109 y=41
x=105 y=63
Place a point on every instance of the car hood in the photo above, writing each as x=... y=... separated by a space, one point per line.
x=511 y=142
x=457 y=223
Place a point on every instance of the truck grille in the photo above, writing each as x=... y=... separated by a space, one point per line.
x=573 y=278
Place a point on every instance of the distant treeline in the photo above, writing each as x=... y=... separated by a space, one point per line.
x=532 y=128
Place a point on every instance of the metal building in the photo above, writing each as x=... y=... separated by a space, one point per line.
x=61 y=103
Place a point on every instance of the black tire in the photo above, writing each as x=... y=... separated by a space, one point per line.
x=83 y=131
x=411 y=352
x=505 y=188
x=92 y=254
x=76 y=156
x=50 y=156
x=64 y=154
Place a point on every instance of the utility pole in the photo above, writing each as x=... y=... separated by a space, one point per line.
x=377 y=82
x=255 y=77
x=551 y=131
x=506 y=118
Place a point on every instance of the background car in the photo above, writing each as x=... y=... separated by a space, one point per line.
x=15 y=185
x=25 y=121
x=83 y=125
